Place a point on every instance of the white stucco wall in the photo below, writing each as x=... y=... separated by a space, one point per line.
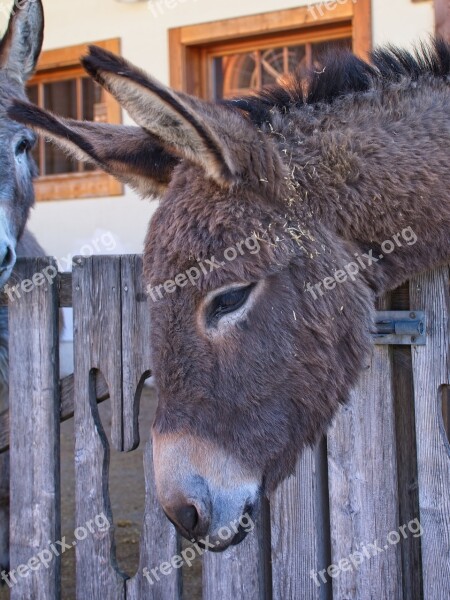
x=64 y=226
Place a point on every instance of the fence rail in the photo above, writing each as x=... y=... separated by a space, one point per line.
x=328 y=533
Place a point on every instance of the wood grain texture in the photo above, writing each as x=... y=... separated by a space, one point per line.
x=66 y=391
x=363 y=486
x=100 y=294
x=295 y=533
x=240 y=571
x=135 y=346
x=408 y=486
x=97 y=345
x=265 y=23
x=431 y=370
x=159 y=545
x=34 y=416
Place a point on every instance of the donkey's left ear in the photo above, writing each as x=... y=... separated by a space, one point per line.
x=22 y=42
x=214 y=137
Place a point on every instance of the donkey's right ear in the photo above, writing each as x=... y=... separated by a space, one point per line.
x=130 y=154
x=22 y=42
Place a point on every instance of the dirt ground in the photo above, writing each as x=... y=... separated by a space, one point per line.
x=127 y=499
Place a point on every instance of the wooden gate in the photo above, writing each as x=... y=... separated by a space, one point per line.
x=367 y=514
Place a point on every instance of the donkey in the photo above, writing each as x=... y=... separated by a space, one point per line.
x=19 y=50
x=304 y=180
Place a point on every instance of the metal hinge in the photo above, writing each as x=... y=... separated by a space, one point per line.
x=400 y=327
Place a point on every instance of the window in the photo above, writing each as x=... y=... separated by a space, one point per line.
x=237 y=74
x=228 y=58
x=62 y=86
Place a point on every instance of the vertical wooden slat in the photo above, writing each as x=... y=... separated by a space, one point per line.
x=135 y=345
x=295 y=533
x=159 y=541
x=34 y=437
x=408 y=487
x=363 y=488
x=362 y=28
x=431 y=370
x=98 y=298
x=159 y=545
x=239 y=572
x=97 y=345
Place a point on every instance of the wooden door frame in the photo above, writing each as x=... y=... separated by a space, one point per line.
x=442 y=18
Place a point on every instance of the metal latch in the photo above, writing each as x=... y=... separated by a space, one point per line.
x=400 y=327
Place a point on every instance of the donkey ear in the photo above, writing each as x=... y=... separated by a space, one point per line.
x=128 y=153
x=22 y=42
x=212 y=136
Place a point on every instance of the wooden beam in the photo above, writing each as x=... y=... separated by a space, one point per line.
x=362 y=28
x=442 y=18
x=265 y=23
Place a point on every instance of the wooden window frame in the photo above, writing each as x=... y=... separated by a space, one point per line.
x=191 y=46
x=52 y=65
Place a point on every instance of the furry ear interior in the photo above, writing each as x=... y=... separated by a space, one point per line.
x=128 y=153
x=214 y=137
x=22 y=42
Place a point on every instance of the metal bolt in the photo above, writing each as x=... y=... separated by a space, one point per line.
x=412 y=315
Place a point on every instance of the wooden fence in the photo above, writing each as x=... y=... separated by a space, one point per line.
x=385 y=463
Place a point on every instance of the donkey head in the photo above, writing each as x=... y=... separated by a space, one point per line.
x=19 y=51
x=249 y=368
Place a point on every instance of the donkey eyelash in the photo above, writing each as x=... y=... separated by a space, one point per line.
x=227 y=302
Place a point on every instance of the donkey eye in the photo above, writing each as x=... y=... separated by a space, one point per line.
x=23 y=146
x=229 y=302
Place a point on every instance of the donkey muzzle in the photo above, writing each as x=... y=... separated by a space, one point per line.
x=207 y=494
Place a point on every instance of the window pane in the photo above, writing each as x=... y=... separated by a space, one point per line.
x=235 y=74
x=60 y=97
x=238 y=74
x=33 y=93
x=92 y=95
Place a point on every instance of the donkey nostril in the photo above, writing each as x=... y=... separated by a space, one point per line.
x=187 y=517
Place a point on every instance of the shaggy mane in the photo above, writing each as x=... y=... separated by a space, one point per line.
x=343 y=73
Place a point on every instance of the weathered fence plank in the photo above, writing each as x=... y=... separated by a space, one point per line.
x=66 y=394
x=240 y=572
x=295 y=533
x=159 y=545
x=363 y=489
x=431 y=370
x=34 y=418
x=97 y=345
x=159 y=541
x=135 y=346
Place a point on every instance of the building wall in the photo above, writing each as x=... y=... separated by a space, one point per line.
x=64 y=227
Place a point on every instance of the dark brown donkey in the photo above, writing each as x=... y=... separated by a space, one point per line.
x=19 y=51
x=289 y=211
